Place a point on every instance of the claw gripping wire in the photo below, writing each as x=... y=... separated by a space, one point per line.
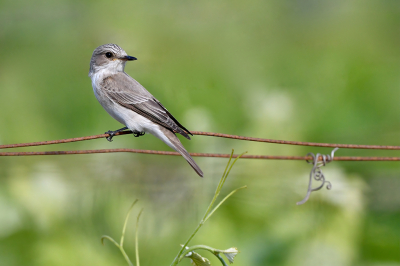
x=316 y=172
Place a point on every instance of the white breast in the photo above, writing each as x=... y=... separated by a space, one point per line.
x=127 y=117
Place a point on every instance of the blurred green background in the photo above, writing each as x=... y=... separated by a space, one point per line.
x=323 y=71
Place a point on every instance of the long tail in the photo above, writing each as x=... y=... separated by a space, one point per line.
x=175 y=144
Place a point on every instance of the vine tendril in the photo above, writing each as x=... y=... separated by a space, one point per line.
x=316 y=172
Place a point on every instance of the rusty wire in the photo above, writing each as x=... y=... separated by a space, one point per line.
x=300 y=143
x=215 y=155
x=211 y=134
x=59 y=141
x=267 y=157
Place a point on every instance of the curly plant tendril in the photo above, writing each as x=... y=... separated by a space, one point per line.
x=316 y=172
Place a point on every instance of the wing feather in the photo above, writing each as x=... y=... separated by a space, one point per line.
x=124 y=90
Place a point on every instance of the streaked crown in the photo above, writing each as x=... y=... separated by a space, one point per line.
x=104 y=55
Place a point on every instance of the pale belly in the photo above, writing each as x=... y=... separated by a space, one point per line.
x=134 y=121
x=127 y=117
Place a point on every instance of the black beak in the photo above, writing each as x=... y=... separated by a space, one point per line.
x=129 y=58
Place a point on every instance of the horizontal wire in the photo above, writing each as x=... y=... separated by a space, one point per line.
x=200 y=133
x=215 y=155
x=300 y=143
x=270 y=157
x=59 y=141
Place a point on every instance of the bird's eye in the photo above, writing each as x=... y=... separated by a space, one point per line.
x=109 y=55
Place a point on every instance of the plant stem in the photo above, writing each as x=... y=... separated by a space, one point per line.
x=208 y=213
x=137 y=238
x=222 y=201
x=125 y=223
x=125 y=256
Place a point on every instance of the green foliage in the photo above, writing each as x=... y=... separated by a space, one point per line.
x=121 y=243
x=306 y=70
x=185 y=251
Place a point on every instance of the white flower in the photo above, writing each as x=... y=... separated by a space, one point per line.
x=230 y=253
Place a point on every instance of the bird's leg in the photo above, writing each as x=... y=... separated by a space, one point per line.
x=112 y=133
x=138 y=133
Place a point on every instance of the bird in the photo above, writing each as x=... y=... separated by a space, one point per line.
x=128 y=102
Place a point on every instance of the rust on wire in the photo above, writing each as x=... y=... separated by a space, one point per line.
x=40 y=143
x=313 y=144
x=200 y=133
x=215 y=155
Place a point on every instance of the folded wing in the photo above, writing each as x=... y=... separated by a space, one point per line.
x=126 y=91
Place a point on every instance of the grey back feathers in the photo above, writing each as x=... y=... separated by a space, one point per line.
x=130 y=94
x=130 y=103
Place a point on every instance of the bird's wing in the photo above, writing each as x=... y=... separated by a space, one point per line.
x=124 y=90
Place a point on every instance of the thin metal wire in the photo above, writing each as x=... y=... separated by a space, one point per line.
x=200 y=133
x=40 y=143
x=316 y=172
x=313 y=144
x=215 y=155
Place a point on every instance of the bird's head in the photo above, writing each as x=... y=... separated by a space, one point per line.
x=109 y=57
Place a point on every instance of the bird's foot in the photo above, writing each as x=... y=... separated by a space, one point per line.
x=138 y=133
x=112 y=133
